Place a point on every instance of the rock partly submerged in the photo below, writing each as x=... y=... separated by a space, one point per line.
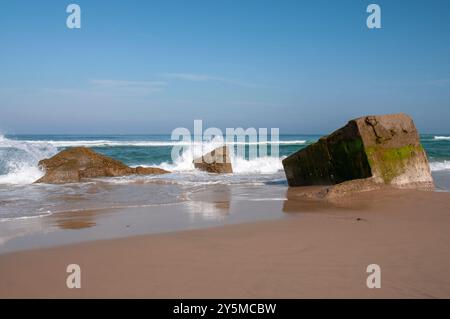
x=367 y=153
x=217 y=161
x=77 y=163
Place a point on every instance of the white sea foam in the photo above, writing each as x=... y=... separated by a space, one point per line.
x=110 y=143
x=440 y=166
x=21 y=174
x=19 y=159
x=44 y=214
x=442 y=138
x=258 y=165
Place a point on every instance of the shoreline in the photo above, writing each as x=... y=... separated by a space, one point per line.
x=316 y=251
x=208 y=206
x=216 y=206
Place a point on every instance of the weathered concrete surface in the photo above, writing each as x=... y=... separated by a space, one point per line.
x=73 y=164
x=384 y=148
x=217 y=161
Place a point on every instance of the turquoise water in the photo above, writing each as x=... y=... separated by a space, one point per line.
x=19 y=155
x=140 y=149
x=156 y=149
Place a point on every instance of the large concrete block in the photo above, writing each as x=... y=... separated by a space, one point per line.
x=385 y=148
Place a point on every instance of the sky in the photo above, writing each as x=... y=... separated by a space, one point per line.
x=138 y=67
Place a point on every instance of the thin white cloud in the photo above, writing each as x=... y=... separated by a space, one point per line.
x=129 y=86
x=95 y=89
x=190 y=76
x=256 y=104
x=205 y=78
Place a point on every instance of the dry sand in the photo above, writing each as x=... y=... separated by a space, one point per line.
x=323 y=253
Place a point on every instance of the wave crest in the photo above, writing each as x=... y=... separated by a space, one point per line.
x=440 y=166
x=19 y=159
x=131 y=143
x=442 y=138
x=260 y=165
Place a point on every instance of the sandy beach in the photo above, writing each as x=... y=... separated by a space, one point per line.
x=314 y=250
x=225 y=150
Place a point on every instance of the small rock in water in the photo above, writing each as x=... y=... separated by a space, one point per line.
x=217 y=161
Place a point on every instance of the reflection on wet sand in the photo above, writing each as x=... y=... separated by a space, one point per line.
x=75 y=219
x=208 y=206
x=225 y=205
x=212 y=203
x=207 y=210
x=309 y=199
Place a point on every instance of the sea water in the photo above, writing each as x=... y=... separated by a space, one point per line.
x=20 y=154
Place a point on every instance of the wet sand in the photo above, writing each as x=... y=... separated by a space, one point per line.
x=316 y=249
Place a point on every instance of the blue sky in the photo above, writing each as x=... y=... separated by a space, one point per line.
x=152 y=66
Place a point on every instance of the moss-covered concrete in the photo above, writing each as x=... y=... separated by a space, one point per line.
x=329 y=161
x=391 y=162
x=385 y=148
x=349 y=159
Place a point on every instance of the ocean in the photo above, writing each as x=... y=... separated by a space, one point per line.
x=19 y=155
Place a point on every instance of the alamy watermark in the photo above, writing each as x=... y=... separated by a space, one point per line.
x=374 y=279
x=74 y=279
x=73 y=21
x=247 y=143
x=374 y=19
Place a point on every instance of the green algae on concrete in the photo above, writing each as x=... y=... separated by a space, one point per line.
x=349 y=159
x=391 y=162
x=384 y=148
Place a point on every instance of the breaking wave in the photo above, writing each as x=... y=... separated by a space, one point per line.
x=442 y=138
x=257 y=165
x=19 y=159
x=440 y=166
x=111 y=143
